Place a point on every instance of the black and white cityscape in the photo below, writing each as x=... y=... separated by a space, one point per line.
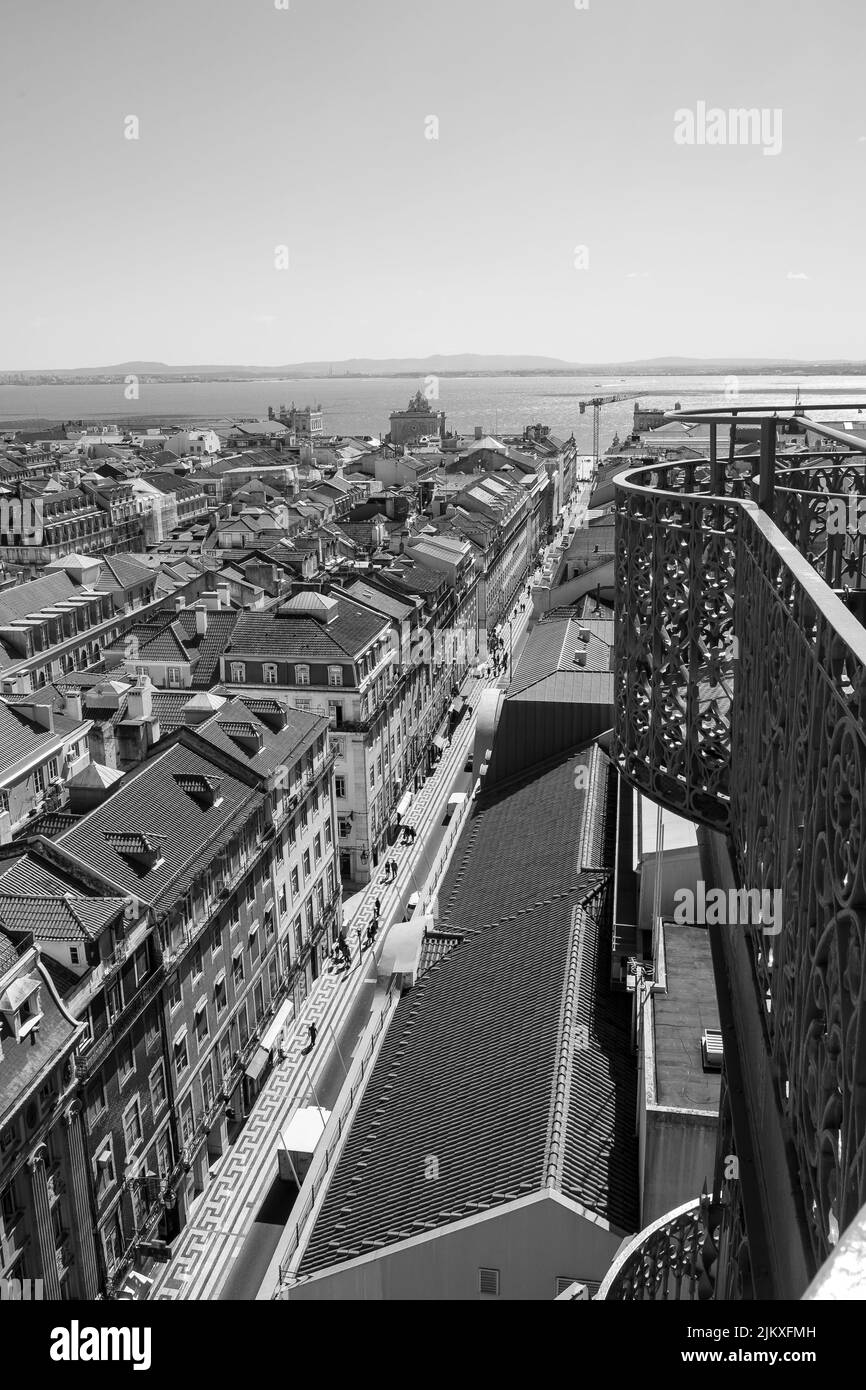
x=432 y=662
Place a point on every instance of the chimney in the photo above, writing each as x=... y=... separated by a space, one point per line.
x=478 y=432
x=201 y=621
x=139 y=701
x=73 y=706
x=43 y=715
x=179 y=605
x=224 y=591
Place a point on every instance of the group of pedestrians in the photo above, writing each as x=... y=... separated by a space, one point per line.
x=390 y=870
x=409 y=833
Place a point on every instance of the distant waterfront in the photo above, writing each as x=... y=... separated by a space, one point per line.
x=362 y=406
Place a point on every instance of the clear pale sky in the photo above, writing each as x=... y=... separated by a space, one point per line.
x=262 y=127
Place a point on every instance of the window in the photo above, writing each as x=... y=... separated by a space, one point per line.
x=46 y=774
x=174 y=676
x=238 y=671
x=219 y=992
x=238 y=968
x=340 y=787
x=293 y=832
x=216 y=941
x=302 y=675
x=132 y=1132
x=201 y=1023
x=259 y=996
x=299 y=940
x=152 y=1029
x=296 y=882
x=306 y=862
x=310 y=918
x=243 y=1025
x=115 y=1000
x=317 y=847
x=304 y=706
x=74 y=958
x=254 y=941
x=320 y=896
x=158 y=1088
x=207 y=1087
x=269 y=924
x=270 y=673
x=282 y=901
x=273 y=976
x=304 y=817
x=226 y=1055
x=181 y=1056
x=175 y=995
x=140 y=964
x=328 y=833
x=372 y=775
x=164 y=1155
x=335 y=713
x=197 y=963
x=187 y=1120
x=95 y=1103
x=344 y=826
x=335 y=675
x=103 y=1168
x=125 y=1061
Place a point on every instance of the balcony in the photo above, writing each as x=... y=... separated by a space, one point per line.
x=740 y=697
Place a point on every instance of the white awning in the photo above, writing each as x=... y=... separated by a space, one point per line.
x=404 y=803
x=281 y=1017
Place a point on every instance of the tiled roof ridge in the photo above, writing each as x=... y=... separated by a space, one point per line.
x=560 y=1100
x=587 y=891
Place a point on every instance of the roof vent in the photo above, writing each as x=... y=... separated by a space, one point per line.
x=583 y=634
x=580 y=658
x=712 y=1050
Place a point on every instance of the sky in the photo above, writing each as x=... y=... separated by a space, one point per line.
x=560 y=209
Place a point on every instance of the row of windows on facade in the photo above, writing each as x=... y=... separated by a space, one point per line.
x=238 y=672
x=218 y=1064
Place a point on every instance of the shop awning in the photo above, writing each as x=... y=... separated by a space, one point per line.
x=439 y=743
x=257 y=1063
x=403 y=804
x=283 y=1014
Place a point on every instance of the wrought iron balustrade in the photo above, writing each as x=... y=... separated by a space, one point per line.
x=740 y=699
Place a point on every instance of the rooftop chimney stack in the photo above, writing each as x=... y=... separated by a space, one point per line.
x=201 y=621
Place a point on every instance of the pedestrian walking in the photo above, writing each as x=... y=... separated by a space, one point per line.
x=377 y=907
x=313 y=1034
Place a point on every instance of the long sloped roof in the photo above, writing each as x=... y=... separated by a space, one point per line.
x=486 y=1063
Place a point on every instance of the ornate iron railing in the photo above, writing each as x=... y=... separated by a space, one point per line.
x=740 y=695
x=673 y=1259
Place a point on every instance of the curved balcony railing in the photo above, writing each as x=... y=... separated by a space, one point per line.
x=740 y=696
x=673 y=1259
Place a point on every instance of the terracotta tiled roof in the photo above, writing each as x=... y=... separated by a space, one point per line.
x=509 y=1059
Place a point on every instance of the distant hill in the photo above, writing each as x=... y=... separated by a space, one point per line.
x=455 y=364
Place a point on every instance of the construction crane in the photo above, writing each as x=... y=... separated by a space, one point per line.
x=597 y=402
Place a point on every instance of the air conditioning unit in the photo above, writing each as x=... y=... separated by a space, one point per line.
x=712 y=1049
x=580 y=658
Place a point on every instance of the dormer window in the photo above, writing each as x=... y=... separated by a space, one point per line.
x=144 y=852
x=335 y=675
x=239 y=671
x=302 y=675
x=20 y=1006
x=205 y=791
